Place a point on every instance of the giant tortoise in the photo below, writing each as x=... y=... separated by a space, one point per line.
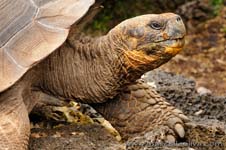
x=103 y=72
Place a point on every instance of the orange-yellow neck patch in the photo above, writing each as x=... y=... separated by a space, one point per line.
x=135 y=58
x=138 y=59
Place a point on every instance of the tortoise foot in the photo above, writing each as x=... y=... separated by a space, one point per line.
x=154 y=139
x=14 y=124
x=139 y=109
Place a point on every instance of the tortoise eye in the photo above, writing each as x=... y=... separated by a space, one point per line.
x=156 y=25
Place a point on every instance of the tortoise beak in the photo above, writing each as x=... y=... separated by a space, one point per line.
x=175 y=29
x=174 y=35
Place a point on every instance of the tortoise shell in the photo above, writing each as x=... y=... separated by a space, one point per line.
x=30 y=30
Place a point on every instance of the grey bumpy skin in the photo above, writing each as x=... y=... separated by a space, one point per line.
x=102 y=70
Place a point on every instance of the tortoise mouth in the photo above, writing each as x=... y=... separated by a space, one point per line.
x=173 y=46
x=173 y=43
x=170 y=46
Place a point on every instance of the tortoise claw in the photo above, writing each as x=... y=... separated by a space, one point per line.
x=184 y=118
x=170 y=139
x=179 y=130
x=177 y=122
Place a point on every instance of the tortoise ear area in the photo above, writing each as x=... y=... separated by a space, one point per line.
x=137 y=32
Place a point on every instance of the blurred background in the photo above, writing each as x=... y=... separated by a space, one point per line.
x=204 y=56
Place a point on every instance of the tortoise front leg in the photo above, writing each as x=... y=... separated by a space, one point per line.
x=14 y=124
x=139 y=109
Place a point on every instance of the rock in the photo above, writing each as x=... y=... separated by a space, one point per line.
x=203 y=91
x=182 y=93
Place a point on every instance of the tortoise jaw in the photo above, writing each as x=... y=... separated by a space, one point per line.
x=173 y=46
x=169 y=46
x=173 y=43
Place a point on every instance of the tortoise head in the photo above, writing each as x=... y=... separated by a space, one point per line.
x=148 y=41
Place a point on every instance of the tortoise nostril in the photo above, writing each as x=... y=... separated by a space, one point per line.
x=178 y=19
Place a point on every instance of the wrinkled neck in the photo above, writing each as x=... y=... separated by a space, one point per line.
x=137 y=63
x=88 y=70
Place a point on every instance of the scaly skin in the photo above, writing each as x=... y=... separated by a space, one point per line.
x=96 y=71
x=139 y=109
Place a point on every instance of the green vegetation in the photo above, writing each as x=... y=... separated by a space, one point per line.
x=101 y=25
x=117 y=10
x=217 y=5
x=224 y=30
